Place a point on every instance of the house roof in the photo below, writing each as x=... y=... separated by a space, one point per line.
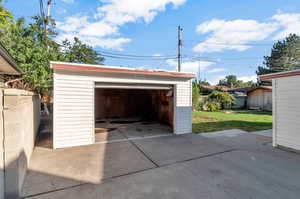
x=110 y=69
x=271 y=76
x=7 y=64
x=269 y=88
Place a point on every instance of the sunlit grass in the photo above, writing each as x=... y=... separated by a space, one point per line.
x=224 y=120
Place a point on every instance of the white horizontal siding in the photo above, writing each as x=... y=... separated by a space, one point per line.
x=287 y=112
x=73 y=111
x=74 y=103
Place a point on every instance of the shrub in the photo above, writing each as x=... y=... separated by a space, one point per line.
x=223 y=98
x=212 y=106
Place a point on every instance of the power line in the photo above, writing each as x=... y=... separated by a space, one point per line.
x=139 y=56
x=230 y=44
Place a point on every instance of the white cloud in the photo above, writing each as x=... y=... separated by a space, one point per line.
x=248 y=78
x=192 y=66
x=109 y=18
x=216 y=70
x=232 y=35
x=290 y=23
x=215 y=79
x=156 y=55
x=112 y=43
x=99 y=29
x=124 y=11
x=68 y=1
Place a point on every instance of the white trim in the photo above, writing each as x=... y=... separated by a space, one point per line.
x=274 y=112
x=174 y=108
x=115 y=67
x=280 y=73
x=132 y=86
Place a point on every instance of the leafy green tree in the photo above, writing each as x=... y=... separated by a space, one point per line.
x=80 y=53
x=203 y=83
x=33 y=51
x=285 y=55
x=230 y=81
x=195 y=96
x=27 y=46
x=223 y=98
x=5 y=15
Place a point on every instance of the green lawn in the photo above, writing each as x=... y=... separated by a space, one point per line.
x=244 y=120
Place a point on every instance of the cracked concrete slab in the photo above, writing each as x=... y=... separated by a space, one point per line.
x=168 y=150
x=235 y=174
x=55 y=169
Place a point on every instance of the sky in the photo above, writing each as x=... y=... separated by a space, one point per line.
x=220 y=37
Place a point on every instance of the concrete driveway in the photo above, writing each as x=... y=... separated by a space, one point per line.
x=233 y=164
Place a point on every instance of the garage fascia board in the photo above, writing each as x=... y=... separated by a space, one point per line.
x=133 y=86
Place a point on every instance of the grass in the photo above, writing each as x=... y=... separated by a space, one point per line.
x=224 y=120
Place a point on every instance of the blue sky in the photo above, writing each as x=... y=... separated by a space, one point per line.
x=230 y=36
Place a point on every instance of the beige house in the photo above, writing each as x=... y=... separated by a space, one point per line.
x=260 y=98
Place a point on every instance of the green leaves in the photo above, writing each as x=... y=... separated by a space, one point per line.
x=285 y=55
x=79 y=52
x=33 y=50
x=231 y=81
x=223 y=98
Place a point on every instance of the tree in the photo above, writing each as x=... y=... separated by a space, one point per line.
x=223 y=98
x=80 y=53
x=203 y=83
x=33 y=51
x=5 y=15
x=230 y=81
x=27 y=46
x=195 y=96
x=285 y=55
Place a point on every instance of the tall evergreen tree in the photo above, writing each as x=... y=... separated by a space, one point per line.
x=285 y=55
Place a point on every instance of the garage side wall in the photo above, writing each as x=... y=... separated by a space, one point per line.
x=183 y=108
x=286 y=112
x=73 y=117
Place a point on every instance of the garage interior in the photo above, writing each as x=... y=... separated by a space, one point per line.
x=127 y=111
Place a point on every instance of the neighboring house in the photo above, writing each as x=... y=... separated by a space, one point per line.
x=286 y=108
x=89 y=93
x=240 y=94
x=260 y=98
x=8 y=66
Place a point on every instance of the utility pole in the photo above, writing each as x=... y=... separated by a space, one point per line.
x=199 y=69
x=179 y=47
x=49 y=4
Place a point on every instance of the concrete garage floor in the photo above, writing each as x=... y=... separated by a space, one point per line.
x=241 y=165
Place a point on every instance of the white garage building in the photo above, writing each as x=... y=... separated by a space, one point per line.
x=286 y=108
x=83 y=93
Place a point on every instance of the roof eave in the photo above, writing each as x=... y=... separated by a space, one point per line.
x=4 y=53
x=106 y=69
x=269 y=77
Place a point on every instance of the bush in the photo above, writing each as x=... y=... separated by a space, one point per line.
x=223 y=98
x=212 y=106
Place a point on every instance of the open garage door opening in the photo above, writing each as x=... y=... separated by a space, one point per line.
x=133 y=110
